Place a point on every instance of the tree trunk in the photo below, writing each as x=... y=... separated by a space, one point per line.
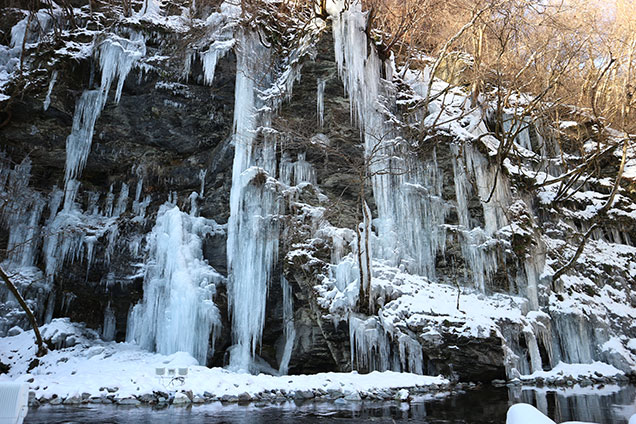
x=38 y=338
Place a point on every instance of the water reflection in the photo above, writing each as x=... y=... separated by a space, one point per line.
x=605 y=405
x=598 y=404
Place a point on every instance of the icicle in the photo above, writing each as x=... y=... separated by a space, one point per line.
x=90 y=251
x=320 y=102
x=407 y=193
x=211 y=57
x=194 y=210
x=47 y=99
x=78 y=143
x=285 y=169
x=136 y=204
x=177 y=312
x=303 y=171
x=289 y=331
x=110 y=324
x=410 y=352
x=116 y=57
x=252 y=246
x=122 y=201
x=370 y=347
x=110 y=198
x=202 y=174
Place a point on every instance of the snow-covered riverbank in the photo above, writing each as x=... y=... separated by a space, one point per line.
x=84 y=369
x=103 y=372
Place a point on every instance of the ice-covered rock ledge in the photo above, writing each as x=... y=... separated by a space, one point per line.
x=86 y=370
x=570 y=374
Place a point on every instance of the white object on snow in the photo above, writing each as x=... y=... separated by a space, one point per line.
x=523 y=413
x=14 y=400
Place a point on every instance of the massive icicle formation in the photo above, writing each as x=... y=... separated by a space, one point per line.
x=220 y=27
x=411 y=213
x=255 y=204
x=407 y=192
x=177 y=312
x=252 y=245
x=116 y=56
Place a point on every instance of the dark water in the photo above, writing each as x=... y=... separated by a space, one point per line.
x=603 y=405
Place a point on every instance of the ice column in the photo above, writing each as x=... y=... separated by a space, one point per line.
x=109 y=328
x=47 y=99
x=320 y=102
x=289 y=331
x=252 y=246
x=177 y=312
x=474 y=242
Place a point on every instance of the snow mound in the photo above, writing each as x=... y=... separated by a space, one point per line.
x=522 y=413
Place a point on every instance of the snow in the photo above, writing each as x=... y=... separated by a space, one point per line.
x=522 y=413
x=577 y=371
x=93 y=367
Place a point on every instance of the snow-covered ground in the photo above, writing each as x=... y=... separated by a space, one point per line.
x=579 y=372
x=97 y=371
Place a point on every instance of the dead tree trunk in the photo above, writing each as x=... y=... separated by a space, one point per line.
x=13 y=289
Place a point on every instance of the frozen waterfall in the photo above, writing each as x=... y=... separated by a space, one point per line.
x=177 y=312
x=116 y=57
x=252 y=246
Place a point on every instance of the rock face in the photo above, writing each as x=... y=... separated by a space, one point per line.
x=170 y=135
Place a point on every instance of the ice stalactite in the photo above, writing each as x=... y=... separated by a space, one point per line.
x=252 y=246
x=122 y=201
x=294 y=173
x=202 y=174
x=533 y=350
x=47 y=99
x=303 y=171
x=376 y=348
x=109 y=327
x=21 y=210
x=177 y=312
x=220 y=27
x=478 y=249
x=576 y=337
x=406 y=191
x=20 y=213
x=289 y=330
x=493 y=189
x=285 y=169
x=320 y=102
x=139 y=206
x=72 y=233
x=116 y=57
x=370 y=346
x=78 y=143
x=212 y=56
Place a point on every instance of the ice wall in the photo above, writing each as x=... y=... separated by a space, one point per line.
x=252 y=246
x=178 y=311
x=407 y=192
